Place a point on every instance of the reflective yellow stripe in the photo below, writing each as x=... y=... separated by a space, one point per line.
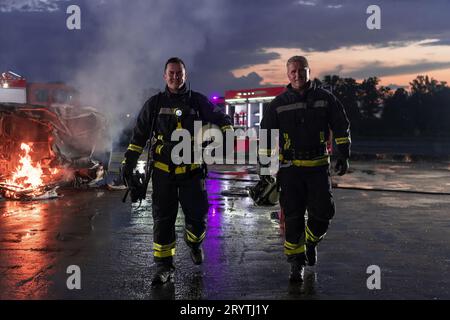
x=160 y=137
x=183 y=169
x=164 y=250
x=343 y=140
x=287 y=141
x=164 y=254
x=163 y=247
x=136 y=148
x=227 y=127
x=312 y=163
x=178 y=170
x=161 y=166
x=292 y=248
x=124 y=161
x=158 y=149
x=290 y=245
x=193 y=238
x=311 y=237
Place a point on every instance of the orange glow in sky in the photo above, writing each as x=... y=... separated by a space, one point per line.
x=347 y=61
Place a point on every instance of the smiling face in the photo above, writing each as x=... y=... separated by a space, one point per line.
x=298 y=74
x=175 y=76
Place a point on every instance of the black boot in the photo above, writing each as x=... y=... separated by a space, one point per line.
x=163 y=274
x=311 y=253
x=197 y=255
x=297 y=271
x=196 y=251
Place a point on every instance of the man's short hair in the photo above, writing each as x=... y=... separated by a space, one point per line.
x=174 y=60
x=300 y=59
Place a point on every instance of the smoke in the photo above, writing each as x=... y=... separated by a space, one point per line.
x=133 y=42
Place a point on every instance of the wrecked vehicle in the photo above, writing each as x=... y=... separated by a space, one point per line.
x=48 y=140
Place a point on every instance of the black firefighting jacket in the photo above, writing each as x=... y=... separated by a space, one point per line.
x=304 y=122
x=175 y=111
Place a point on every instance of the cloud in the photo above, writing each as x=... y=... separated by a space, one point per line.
x=379 y=69
x=30 y=5
x=438 y=42
x=394 y=86
x=127 y=42
x=337 y=6
x=305 y=3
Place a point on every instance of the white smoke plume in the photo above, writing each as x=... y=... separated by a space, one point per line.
x=136 y=39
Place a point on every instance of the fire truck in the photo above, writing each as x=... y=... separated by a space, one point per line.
x=50 y=120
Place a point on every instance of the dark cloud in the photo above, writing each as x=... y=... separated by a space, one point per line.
x=380 y=70
x=124 y=44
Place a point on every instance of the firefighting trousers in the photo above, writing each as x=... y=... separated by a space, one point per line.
x=169 y=190
x=305 y=190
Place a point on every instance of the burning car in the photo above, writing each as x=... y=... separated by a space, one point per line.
x=47 y=139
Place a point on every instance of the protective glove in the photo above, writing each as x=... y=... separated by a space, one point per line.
x=137 y=187
x=341 y=166
x=128 y=165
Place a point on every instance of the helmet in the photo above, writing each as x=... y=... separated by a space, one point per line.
x=265 y=192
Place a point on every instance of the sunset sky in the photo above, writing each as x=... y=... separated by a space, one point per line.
x=395 y=64
x=226 y=44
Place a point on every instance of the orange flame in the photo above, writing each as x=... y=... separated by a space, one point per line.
x=26 y=174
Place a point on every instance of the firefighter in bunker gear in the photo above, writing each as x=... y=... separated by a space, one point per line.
x=177 y=108
x=304 y=115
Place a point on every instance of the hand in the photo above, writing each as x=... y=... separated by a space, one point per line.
x=341 y=166
x=126 y=172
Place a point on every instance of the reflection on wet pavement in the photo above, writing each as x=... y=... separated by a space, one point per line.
x=112 y=243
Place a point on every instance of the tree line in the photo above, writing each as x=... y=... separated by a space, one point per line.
x=374 y=110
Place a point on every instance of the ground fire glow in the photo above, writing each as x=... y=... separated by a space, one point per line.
x=28 y=180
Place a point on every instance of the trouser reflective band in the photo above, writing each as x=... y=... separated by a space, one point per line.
x=164 y=250
x=312 y=163
x=310 y=237
x=293 y=248
x=193 y=238
x=178 y=170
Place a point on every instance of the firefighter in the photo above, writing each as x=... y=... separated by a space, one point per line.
x=304 y=115
x=175 y=108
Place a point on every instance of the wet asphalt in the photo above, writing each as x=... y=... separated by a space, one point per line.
x=405 y=234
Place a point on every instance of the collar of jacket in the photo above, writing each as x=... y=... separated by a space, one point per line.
x=182 y=92
x=309 y=87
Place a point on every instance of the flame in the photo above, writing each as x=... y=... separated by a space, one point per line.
x=28 y=176
x=26 y=172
